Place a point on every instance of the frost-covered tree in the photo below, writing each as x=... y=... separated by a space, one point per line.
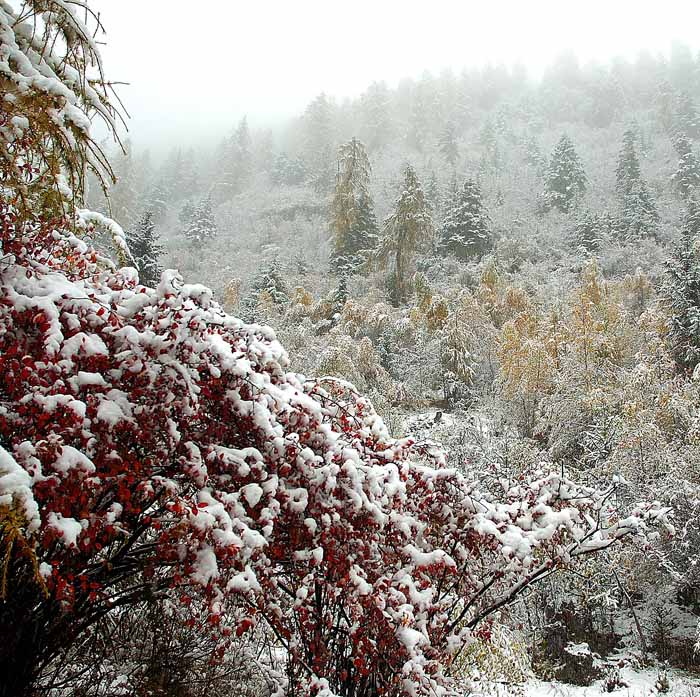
x=687 y=120
x=448 y=143
x=157 y=201
x=408 y=229
x=267 y=290
x=565 y=178
x=353 y=225
x=237 y=164
x=465 y=230
x=202 y=226
x=289 y=171
x=681 y=291
x=628 y=171
x=686 y=178
x=146 y=249
x=375 y=106
x=318 y=134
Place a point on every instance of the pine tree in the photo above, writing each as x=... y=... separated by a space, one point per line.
x=681 y=291
x=157 y=201
x=288 y=171
x=592 y=229
x=639 y=217
x=353 y=225
x=318 y=139
x=202 y=226
x=405 y=231
x=448 y=143
x=686 y=119
x=375 y=108
x=465 y=230
x=239 y=158
x=687 y=176
x=628 y=170
x=146 y=250
x=565 y=177
x=360 y=242
x=268 y=287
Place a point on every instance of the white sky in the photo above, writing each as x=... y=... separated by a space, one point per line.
x=205 y=63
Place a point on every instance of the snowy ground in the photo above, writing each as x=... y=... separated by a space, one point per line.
x=639 y=684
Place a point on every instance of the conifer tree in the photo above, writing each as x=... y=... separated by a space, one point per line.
x=681 y=291
x=375 y=108
x=687 y=177
x=353 y=225
x=146 y=250
x=202 y=226
x=318 y=139
x=639 y=217
x=239 y=158
x=465 y=230
x=408 y=229
x=268 y=287
x=592 y=229
x=157 y=201
x=628 y=170
x=686 y=119
x=448 y=144
x=565 y=177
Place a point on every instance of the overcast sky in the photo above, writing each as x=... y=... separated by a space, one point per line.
x=205 y=63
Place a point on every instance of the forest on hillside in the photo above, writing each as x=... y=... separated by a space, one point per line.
x=398 y=398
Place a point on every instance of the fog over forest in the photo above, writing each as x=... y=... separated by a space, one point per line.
x=349 y=351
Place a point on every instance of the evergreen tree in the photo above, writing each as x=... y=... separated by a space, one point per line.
x=202 y=226
x=687 y=176
x=681 y=291
x=268 y=287
x=186 y=215
x=157 y=201
x=639 y=217
x=565 y=177
x=146 y=250
x=686 y=119
x=288 y=171
x=591 y=230
x=408 y=229
x=465 y=230
x=448 y=143
x=360 y=239
x=318 y=139
x=628 y=171
x=376 y=117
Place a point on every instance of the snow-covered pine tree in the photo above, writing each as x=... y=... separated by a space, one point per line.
x=318 y=141
x=202 y=226
x=686 y=119
x=157 y=201
x=681 y=292
x=448 y=143
x=565 y=178
x=639 y=217
x=592 y=229
x=288 y=171
x=465 y=230
x=687 y=176
x=628 y=170
x=268 y=287
x=405 y=231
x=146 y=249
